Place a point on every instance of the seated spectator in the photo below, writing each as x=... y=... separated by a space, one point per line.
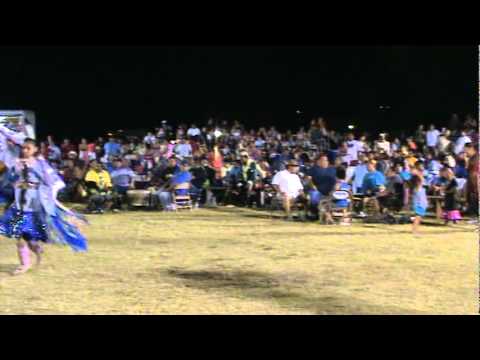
x=99 y=187
x=394 y=192
x=66 y=148
x=183 y=149
x=181 y=177
x=122 y=179
x=162 y=174
x=287 y=183
x=322 y=181
x=374 y=180
x=339 y=203
x=67 y=174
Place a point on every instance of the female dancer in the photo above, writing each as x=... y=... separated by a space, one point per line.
x=35 y=215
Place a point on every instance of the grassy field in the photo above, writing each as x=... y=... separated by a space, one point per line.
x=239 y=261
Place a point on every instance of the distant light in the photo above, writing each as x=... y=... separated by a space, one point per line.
x=351 y=127
x=217 y=133
x=298 y=112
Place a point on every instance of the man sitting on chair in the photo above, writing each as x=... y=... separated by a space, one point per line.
x=373 y=184
x=122 y=178
x=340 y=198
x=181 y=177
x=288 y=184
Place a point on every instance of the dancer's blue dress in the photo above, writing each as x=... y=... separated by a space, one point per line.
x=36 y=215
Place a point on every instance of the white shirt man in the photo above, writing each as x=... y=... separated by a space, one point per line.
x=183 y=149
x=193 y=131
x=383 y=144
x=443 y=143
x=432 y=137
x=288 y=183
x=149 y=139
x=460 y=143
x=354 y=147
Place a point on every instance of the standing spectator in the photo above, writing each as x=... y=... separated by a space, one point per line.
x=444 y=142
x=354 y=146
x=471 y=151
x=419 y=202
x=149 y=139
x=54 y=152
x=359 y=173
x=193 y=133
x=161 y=134
x=451 y=209
x=420 y=136
x=383 y=145
x=112 y=148
x=432 y=137
x=215 y=159
x=460 y=143
x=396 y=145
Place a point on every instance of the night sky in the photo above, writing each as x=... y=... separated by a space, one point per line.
x=88 y=90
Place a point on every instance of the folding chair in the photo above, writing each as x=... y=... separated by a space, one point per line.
x=181 y=197
x=276 y=203
x=341 y=214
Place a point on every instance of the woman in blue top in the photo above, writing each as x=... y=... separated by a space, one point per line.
x=419 y=201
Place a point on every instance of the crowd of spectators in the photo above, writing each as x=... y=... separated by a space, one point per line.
x=225 y=163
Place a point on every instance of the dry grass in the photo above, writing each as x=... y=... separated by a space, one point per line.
x=238 y=261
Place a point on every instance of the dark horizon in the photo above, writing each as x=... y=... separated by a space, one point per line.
x=97 y=89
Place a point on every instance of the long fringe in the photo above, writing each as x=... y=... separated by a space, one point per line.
x=61 y=231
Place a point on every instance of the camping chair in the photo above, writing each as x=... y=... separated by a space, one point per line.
x=276 y=204
x=331 y=212
x=371 y=207
x=139 y=199
x=181 y=197
x=341 y=214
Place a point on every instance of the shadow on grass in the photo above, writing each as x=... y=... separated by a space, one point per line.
x=249 y=213
x=280 y=290
x=7 y=268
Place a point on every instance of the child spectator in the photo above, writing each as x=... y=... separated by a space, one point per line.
x=451 y=210
x=419 y=201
